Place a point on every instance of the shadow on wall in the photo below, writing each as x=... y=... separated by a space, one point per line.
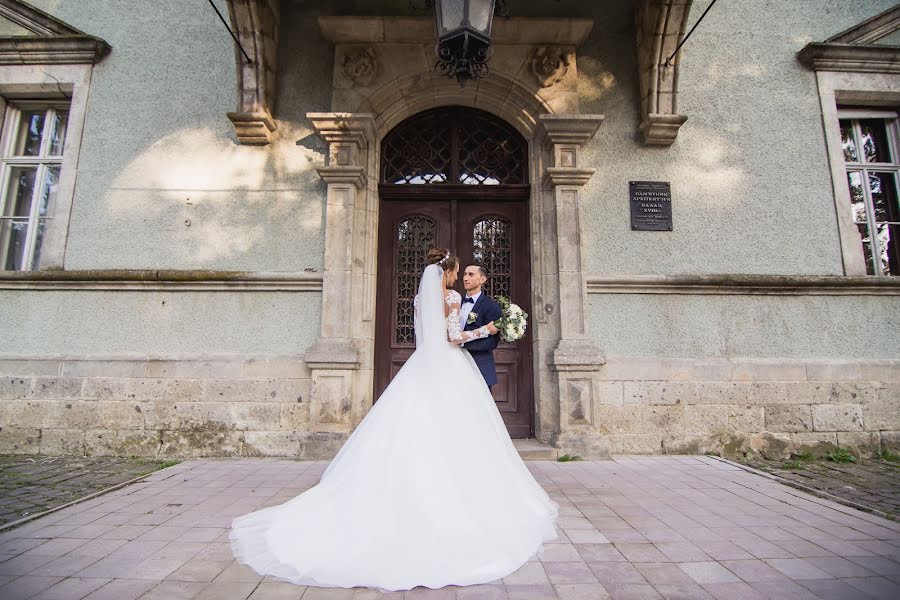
x=216 y=199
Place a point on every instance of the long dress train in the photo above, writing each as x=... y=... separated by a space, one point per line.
x=428 y=490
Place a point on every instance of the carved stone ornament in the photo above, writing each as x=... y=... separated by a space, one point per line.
x=360 y=66
x=549 y=64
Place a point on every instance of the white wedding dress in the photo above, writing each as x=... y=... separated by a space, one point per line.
x=428 y=490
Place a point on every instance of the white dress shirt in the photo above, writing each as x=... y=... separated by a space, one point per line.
x=465 y=309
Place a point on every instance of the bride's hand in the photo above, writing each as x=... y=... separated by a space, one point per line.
x=491 y=328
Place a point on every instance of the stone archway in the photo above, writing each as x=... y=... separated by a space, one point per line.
x=382 y=76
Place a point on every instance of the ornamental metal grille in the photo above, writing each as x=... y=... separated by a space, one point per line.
x=415 y=237
x=492 y=248
x=454 y=145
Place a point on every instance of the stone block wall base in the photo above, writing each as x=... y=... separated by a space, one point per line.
x=160 y=407
x=273 y=406
x=589 y=446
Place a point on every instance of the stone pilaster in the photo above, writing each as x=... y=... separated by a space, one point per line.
x=576 y=356
x=341 y=369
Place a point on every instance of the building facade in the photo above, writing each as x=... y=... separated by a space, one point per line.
x=210 y=244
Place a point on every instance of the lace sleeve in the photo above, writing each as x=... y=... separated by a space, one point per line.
x=417 y=322
x=454 y=329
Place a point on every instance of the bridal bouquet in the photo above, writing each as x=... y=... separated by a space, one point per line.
x=513 y=321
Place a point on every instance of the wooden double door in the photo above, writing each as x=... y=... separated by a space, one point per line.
x=492 y=232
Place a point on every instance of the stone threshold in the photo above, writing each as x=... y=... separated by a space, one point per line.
x=531 y=449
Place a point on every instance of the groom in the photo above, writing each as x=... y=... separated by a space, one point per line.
x=479 y=309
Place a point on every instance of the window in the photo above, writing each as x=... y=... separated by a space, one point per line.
x=32 y=153
x=870 y=152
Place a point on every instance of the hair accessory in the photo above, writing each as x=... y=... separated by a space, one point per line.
x=446 y=256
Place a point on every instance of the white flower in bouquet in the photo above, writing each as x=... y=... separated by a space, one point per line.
x=512 y=322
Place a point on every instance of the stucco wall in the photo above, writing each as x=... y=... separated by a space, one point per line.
x=752 y=326
x=162 y=323
x=158 y=150
x=751 y=188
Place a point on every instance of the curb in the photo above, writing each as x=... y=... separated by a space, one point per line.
x=809 y=490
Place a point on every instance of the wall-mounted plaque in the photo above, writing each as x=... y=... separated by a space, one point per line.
x=651 y=205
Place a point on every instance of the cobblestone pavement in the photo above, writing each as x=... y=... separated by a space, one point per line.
x=633 y=527
x=33 y=484
x=872 y=483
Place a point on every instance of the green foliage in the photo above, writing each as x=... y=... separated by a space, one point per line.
x=568 y=458
x=840 y=455
x=885 y=454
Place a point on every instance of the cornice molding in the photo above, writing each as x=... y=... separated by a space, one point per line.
x=785 y=285
x=823 y=56
x=162 y=280
x=870 y=30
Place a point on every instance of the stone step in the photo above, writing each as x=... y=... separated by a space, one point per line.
x=531 y=449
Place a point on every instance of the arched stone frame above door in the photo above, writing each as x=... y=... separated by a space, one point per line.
x=382 y=75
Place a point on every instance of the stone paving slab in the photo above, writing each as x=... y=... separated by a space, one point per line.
x=871 y=483
x=33 y=484
x=630 y=528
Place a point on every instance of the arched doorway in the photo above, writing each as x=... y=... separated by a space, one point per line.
x=455 y=177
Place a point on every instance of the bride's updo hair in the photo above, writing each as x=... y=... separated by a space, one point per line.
x=442 y=258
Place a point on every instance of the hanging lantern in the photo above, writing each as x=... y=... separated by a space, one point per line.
x=463 y=38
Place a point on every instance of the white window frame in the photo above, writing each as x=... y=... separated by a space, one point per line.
x=863 y=168
x=12 y=123
x=49 y=84
x=881 y=92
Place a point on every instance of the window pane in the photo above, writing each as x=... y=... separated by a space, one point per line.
x=31 y=127
x=884 y=196
x=48 y=193
x=867 y=247
x=20 y=191
x=492 y=249
x=857 y=197
x=887 y=242
x=35 y=264
x=58 y=132
x=12 y=244
x=874 y=140
x=847 y=141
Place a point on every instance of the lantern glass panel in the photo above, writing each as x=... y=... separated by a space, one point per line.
x=450 y=15
x=480 y=13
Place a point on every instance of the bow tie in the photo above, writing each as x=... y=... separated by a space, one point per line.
x=467 y=299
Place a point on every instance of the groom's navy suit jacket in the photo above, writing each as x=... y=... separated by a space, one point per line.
x=482 y=350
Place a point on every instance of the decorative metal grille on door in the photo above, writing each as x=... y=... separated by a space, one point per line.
x=415 y=237
x=454 y=144
x=491 y=248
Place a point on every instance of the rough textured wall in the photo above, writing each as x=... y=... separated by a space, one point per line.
x=162 y=323
x=162 y=182
x=752 y=326
x=751 y=188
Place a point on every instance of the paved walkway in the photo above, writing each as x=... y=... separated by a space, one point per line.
x=33 y=484
x=631 y=528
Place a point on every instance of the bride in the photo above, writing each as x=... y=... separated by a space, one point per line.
x=428 y=490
